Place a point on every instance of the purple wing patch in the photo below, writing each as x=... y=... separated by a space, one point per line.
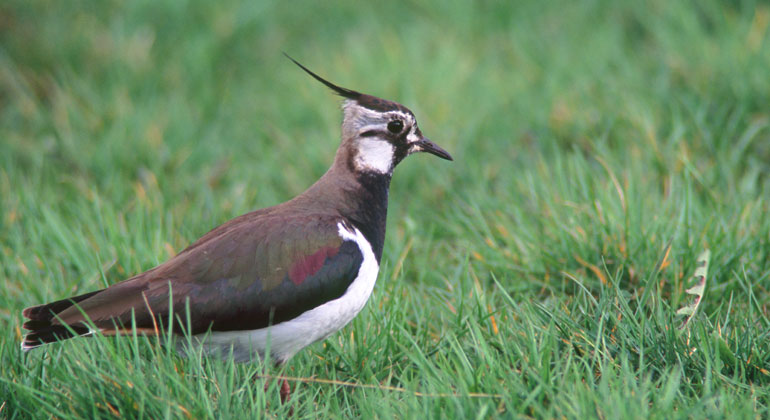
x=310 y=264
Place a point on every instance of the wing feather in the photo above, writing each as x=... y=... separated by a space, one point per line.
x=234 y=279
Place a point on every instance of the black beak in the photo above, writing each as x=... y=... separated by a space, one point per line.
x=425 y=145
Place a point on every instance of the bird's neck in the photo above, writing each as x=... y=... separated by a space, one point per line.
x=367 y=208
x=360 y=197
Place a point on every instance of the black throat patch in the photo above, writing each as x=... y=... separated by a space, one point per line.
x=367 y=208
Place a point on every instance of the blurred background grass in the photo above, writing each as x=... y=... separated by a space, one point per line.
x=586 y=135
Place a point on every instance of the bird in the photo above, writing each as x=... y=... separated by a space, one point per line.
x=272 y=281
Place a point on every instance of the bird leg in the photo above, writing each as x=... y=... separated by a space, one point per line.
x=285 y=391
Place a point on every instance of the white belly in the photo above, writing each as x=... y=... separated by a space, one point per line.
x=286 y=338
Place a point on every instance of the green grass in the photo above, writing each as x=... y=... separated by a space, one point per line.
x=520 y=280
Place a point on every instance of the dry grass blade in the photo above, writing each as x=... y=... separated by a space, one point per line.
x=698 y=289
x=377 y=386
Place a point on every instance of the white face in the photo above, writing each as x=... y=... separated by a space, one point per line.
x=375 y=133
x=375 y=154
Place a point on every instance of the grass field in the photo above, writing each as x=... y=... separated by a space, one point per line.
x=599 y=148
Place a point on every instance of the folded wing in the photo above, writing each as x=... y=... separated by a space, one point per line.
x=235 y=278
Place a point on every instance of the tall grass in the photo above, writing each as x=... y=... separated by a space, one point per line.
x=599 y=148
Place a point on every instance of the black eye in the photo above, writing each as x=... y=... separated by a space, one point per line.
x=395 y=126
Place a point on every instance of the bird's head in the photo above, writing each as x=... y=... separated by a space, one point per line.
x=380 y=133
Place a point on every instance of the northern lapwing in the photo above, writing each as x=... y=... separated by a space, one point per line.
x=282 y=277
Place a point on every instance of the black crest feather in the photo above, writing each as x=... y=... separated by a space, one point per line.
x=345 y=93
